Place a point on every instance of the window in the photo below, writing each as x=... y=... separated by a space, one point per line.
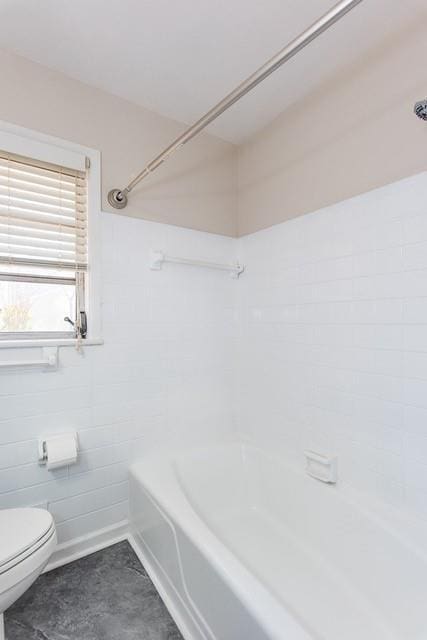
x=43 y=249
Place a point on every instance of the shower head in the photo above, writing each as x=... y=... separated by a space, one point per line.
x=420 y=109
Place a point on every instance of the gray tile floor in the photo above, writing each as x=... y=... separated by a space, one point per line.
x=105 y=596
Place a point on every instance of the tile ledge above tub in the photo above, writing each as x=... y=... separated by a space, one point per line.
x=48 y=342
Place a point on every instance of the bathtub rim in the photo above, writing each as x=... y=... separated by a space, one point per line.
x=406 y=526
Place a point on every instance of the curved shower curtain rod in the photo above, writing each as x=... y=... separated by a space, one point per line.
x=118 y=198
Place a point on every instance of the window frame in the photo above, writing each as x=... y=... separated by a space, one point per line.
x=34 y=145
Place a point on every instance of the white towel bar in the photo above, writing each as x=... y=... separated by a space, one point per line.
x=50 y=360
x=157 y=259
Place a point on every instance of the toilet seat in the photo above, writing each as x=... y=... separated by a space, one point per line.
x=27 y=541
x=22 y=533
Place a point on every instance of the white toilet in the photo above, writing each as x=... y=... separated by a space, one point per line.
x=27 y=540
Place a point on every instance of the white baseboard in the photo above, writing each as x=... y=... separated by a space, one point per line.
x=85 y=545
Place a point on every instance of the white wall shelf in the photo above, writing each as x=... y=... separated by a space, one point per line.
x=48 y=342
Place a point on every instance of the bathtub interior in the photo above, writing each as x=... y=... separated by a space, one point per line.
x=341 y=570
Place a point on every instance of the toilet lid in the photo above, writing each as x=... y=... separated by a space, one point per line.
x=21 y=529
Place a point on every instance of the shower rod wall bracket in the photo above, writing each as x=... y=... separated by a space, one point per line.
x=420 y=109
x=117 y=198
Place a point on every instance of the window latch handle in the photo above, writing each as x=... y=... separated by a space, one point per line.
x=82 y=328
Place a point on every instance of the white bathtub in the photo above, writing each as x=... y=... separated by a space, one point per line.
x=242 y=546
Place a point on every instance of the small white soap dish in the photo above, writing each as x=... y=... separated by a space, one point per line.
x=321 y=467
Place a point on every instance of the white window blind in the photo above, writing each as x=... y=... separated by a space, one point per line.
x=43 y=215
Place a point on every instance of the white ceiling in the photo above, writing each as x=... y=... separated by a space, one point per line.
x=179 y=58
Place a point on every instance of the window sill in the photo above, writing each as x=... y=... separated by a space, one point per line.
x=48 y=342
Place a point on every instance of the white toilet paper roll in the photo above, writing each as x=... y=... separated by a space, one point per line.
x=61 y=450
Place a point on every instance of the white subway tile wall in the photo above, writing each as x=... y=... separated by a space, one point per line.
x=163 y=377
x=321 y=344
x=333 y=342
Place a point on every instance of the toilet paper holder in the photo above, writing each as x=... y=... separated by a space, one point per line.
x=42 y=445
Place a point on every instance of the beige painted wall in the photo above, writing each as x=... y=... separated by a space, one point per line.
x=351 y=135
x=196 y=188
